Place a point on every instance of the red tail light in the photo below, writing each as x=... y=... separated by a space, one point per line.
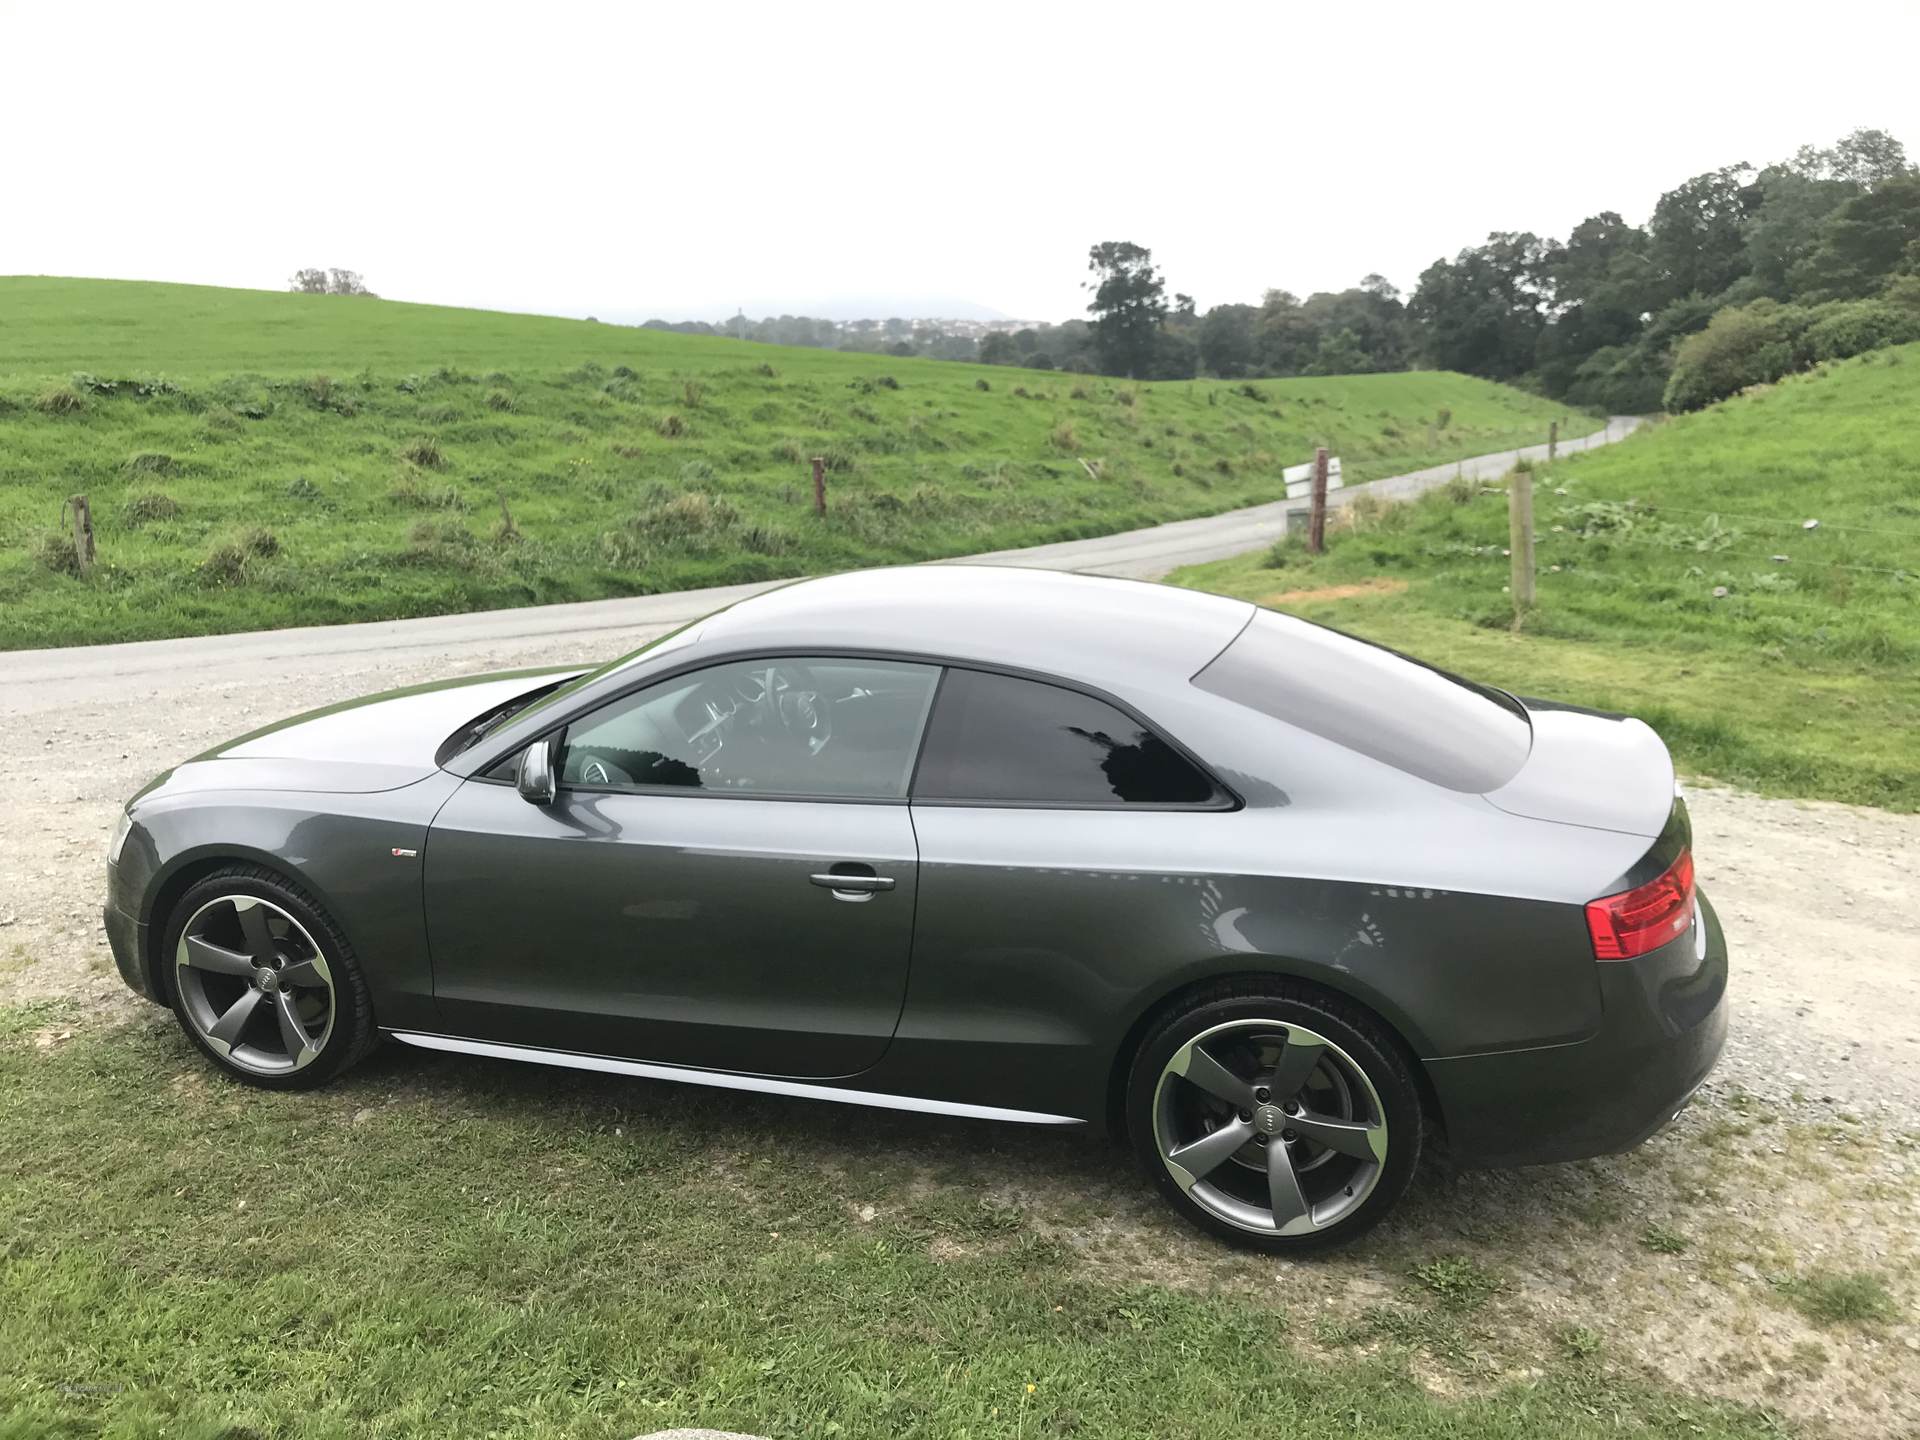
x=1646 y=917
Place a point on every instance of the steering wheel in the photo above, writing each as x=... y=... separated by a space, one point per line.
x=597 y=771
x=786 y=699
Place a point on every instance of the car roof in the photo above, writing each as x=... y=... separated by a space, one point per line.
x=1092 y=628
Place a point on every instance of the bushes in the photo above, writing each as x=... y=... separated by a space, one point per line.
x=1742 y=345
x=1757 y=344
x=1853 y=326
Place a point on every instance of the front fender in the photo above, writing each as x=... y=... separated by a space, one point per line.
x=360 y=855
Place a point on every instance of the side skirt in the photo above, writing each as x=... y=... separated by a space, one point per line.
x=724 y=1080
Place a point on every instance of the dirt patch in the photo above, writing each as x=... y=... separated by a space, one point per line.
x=1382 y=586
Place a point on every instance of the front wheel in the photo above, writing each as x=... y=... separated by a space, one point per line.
x=263 y=982
x=1275 y=1116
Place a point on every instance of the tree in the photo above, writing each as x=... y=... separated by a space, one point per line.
x=1863 y=160
x=1869 y=238
x=328 y=282
x=1227 y=341
x=1483 y=311
x=1284 y=337
x=998 y=349
x=1371 y=316
x=1129 y=302
x=1176 y=355
x=1698 y=231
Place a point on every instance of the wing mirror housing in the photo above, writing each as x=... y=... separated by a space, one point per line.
x=535 y=780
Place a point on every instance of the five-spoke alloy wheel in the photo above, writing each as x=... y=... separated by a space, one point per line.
x=1280 y=1118
x=254 y=985
x=263 y=982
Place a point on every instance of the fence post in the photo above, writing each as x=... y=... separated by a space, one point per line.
x=1520 y=540
x=819 y=484
x=82 y=533
x=1317 y=525
x=1553 y=440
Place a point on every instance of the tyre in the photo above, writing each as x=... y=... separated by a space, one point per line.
x=1275 y=1116
x=264 y=982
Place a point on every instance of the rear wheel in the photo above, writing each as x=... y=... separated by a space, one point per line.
x=1275 y=1116
x=264 y=982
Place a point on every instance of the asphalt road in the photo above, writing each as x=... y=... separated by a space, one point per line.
x=35 y=681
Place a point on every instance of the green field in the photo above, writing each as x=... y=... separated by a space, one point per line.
x=448 y=1247
x=256 y=459
x=1802 y=679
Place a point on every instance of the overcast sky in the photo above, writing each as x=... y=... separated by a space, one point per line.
x=628 y=160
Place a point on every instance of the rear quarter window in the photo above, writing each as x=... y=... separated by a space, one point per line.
x=1373 y=700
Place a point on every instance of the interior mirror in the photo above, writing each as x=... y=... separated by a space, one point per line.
x=535 y=780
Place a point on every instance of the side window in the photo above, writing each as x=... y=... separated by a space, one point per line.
x=795 y=727
x=995 y=738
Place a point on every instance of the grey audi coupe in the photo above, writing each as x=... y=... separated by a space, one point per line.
x=1277 y=905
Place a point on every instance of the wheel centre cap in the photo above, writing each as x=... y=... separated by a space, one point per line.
x=267 y=980
x=1269 y=1119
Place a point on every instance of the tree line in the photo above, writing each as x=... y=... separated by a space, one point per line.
x=1739 y=275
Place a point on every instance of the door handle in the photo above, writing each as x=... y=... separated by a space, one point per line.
x=864 y=883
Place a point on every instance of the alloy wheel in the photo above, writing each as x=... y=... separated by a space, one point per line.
x=254 y=985
x=1270 y=1127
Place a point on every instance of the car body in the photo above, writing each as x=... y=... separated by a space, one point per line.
x=974 y=841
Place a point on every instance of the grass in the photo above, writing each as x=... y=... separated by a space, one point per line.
x=438 y=1246
x=1663 y=1239
x=1456 y=1281
x=1847 y=1297
x=1658 y=591
x=331 y=421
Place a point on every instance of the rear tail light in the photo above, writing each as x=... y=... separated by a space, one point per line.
x=1645 y=917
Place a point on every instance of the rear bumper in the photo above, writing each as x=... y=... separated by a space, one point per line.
x=1664 y=1022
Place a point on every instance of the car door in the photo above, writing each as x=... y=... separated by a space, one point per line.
x=726 y=878
x=1069 y=857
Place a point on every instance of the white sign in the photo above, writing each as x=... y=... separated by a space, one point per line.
x=1299 y=478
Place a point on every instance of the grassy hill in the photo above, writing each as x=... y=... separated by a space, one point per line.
x=257 y=459
x=1677 y=581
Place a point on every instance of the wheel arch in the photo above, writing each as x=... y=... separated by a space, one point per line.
x=188 y=869
x=1178 y=990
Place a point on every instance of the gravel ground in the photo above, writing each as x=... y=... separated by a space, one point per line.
x=1801 y=1156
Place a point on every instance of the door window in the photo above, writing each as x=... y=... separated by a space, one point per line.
x=997 y=739
x=825 y=728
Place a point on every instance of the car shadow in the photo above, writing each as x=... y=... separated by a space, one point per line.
x=1068 y=1183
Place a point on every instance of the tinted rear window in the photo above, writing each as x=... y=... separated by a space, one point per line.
x=1374 y=700
x=997 y=739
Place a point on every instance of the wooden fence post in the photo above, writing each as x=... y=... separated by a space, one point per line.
x=1520 y=540
x=1317 y=525
x=819 y=484
x=1553 y=440
x=82 y=533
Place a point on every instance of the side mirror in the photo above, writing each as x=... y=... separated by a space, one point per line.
x=535 y=782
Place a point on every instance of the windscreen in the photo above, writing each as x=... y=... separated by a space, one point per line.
x=1374 y=700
